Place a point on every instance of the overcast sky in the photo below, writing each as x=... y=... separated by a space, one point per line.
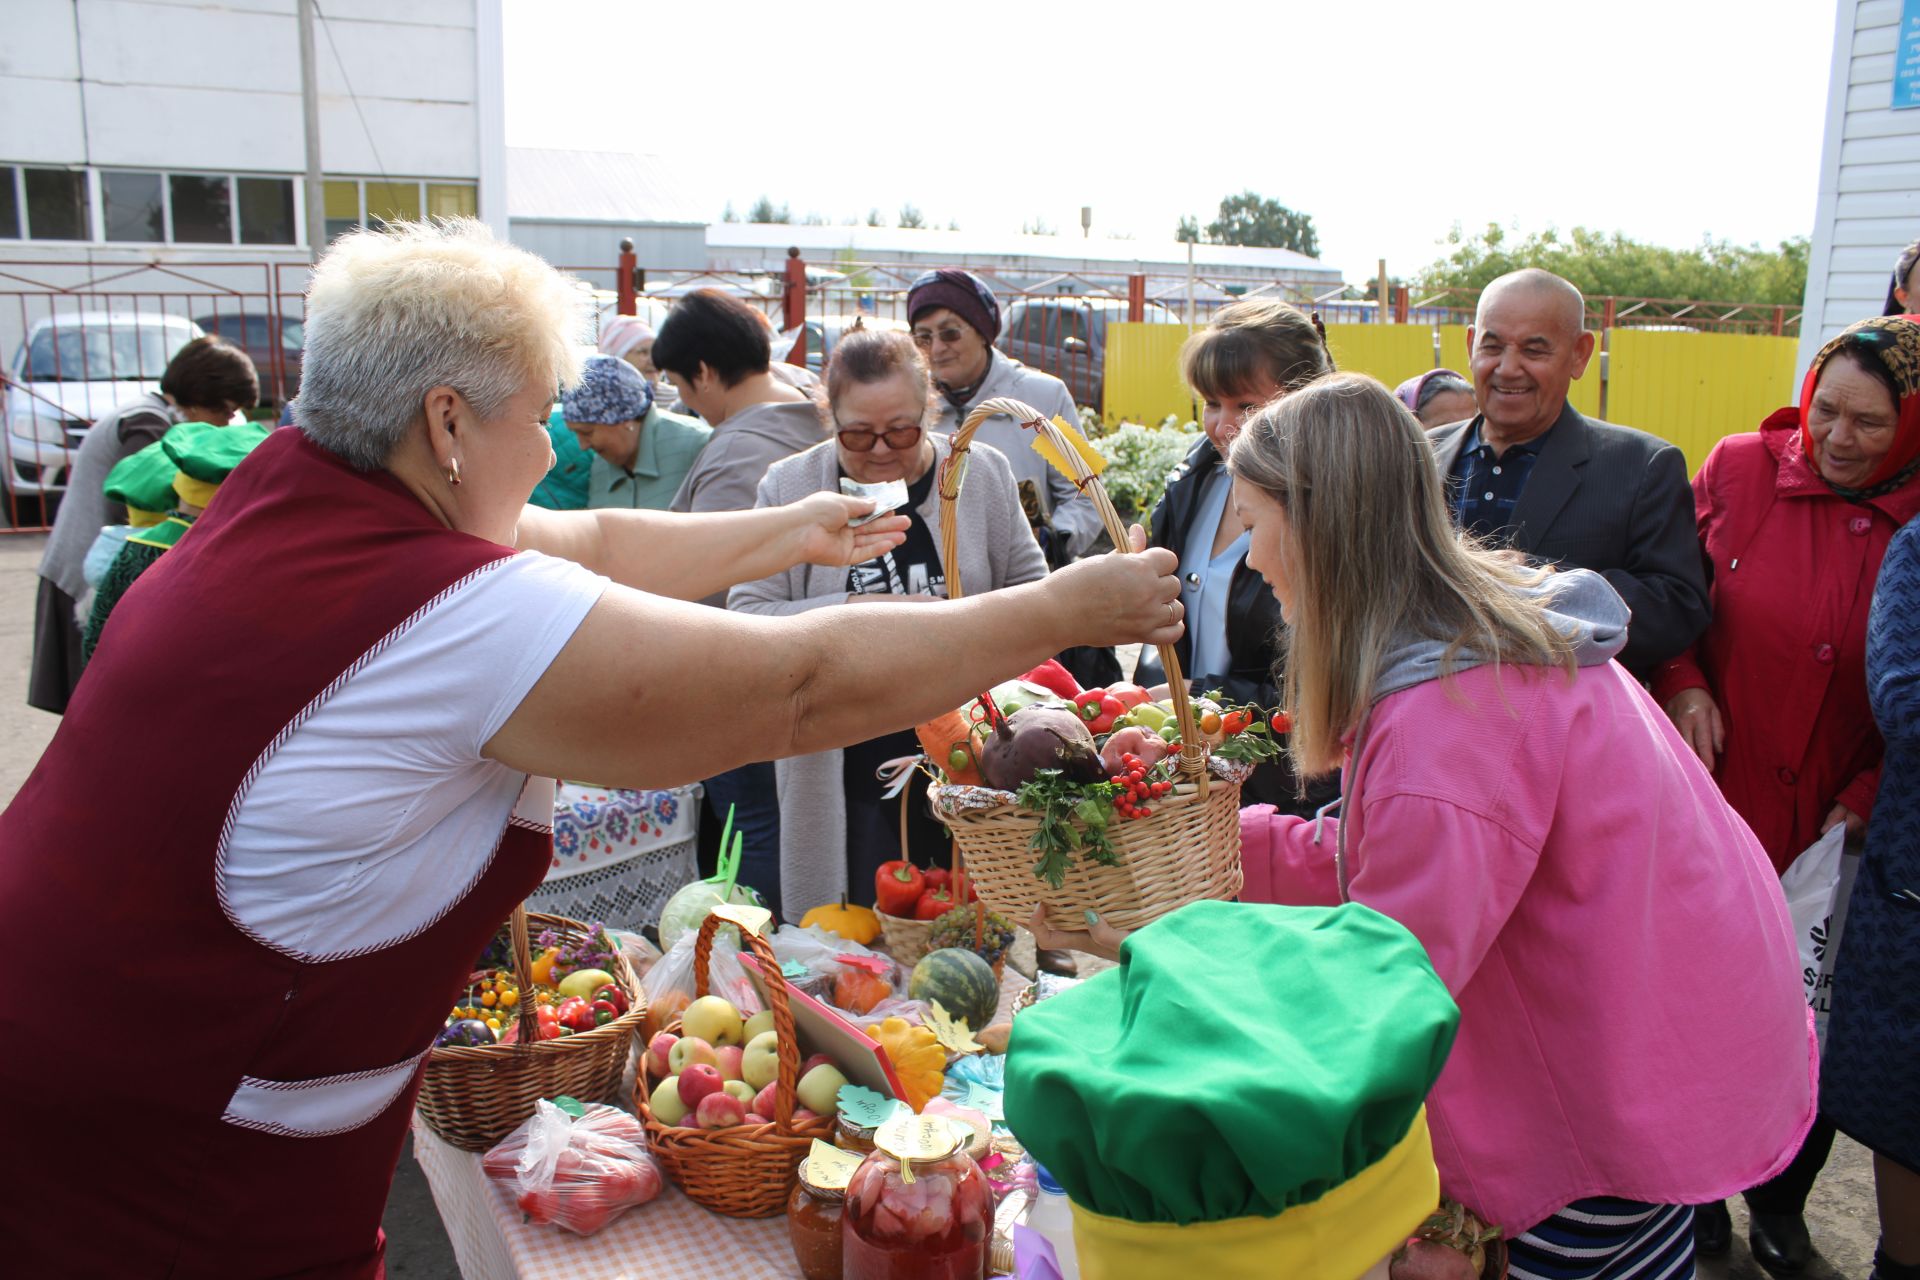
x=1389 y=122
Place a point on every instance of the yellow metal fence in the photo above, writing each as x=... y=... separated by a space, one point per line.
x=1688 y=387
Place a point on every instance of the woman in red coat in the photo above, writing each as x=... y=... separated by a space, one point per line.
x=1795 y=519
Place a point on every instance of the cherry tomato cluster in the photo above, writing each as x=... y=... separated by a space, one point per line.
x=1136 y=791
x=491 y=1001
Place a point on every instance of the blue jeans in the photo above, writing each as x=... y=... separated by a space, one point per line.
x=755 y=798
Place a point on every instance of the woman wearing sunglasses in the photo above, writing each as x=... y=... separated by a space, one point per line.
x=835 y=826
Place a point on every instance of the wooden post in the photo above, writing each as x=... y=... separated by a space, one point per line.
x=625 y=278
x=1380 y=293
x=1779 y=322
x=795 y=308
x=1400 y=305
x=1137 y=298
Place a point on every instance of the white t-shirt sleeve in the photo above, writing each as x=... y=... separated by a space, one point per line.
x=378 y=809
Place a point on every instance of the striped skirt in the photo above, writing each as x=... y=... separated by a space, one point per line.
x=1607 y=1239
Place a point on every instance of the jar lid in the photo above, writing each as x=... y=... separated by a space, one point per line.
x=827 y=1170
x=912 y=1140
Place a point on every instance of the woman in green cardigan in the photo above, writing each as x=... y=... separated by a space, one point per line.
x=641 y=452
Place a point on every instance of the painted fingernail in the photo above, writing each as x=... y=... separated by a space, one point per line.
x=1093 y=917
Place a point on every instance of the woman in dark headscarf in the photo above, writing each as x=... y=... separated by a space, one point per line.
x=1795 y=518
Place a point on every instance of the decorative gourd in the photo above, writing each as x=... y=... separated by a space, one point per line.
x=961 y=981
x=949 y=742
x=917 y=1058
x=855 y=924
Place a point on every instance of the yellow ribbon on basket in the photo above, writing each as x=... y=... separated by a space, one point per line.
x=1045 y=447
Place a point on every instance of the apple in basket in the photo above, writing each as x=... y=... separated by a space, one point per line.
x=714 y=1020
x=729 y=1056
x=763 y=1101
x=760 y=1061
x=739 y=1089
x=759 y=1024
x=689 y=1051
x=657 y=1050
x=820 y=1088
x=720 y=1111
x=697 y=1082
x=665 y=1102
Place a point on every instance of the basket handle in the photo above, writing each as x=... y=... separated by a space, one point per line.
x=776 y=985
x=523 y=974
x=1193 y=758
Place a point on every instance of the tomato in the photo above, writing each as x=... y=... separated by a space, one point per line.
x=576 y=1014
x=1282 y=722
x=1236 y=722
x=1210 y=723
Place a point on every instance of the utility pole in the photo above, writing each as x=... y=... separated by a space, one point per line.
x=1086 y=221
x=310 y=111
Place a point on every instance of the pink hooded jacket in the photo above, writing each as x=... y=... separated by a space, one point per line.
x=1632 y=1020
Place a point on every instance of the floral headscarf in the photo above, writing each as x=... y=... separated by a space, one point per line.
x=1892 y=342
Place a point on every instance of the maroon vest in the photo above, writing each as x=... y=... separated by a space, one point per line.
x=134 y=1005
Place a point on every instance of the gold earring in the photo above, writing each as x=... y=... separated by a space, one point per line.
x=453 y=472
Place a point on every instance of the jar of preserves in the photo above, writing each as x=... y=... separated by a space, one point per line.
x=814 y=1211
x=849 y=1135
x=918 y=1208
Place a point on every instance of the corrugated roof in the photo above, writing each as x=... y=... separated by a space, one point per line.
x=957 y=245
x=596 y=186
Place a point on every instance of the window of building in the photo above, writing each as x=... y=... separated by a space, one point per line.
x=56 y=201
x=9 y=203
x=266 y=210
x=392 y=202
x=133 y=206
x=452 y=200
x=202 y=208
x=343 y=206
x=374 y=202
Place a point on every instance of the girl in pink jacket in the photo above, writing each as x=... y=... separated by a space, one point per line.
x=1633 y=1038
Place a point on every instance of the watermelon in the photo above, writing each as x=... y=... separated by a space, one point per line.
x=961 y=981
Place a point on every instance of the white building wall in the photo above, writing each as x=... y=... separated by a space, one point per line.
x=1869 y=207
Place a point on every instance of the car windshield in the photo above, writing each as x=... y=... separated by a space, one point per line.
x=101 y=352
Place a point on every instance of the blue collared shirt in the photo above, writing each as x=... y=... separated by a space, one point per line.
x=1206 y=580
x=1483 y=487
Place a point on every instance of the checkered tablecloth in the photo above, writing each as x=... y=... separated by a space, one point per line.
x=670 y=1239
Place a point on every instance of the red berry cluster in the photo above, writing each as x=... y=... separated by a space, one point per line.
x=1135 y=790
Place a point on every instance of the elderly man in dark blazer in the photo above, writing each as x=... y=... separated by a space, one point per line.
x=1533 y=472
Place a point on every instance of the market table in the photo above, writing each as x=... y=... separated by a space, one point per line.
x=671 y=1238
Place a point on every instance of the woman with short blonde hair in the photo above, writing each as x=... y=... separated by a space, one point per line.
x=371 y=656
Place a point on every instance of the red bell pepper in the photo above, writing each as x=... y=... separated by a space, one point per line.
x=613 y=996
x=938 y=877
x=1128 y=695
x=897 y=887
x=1051 y=675
x=934 y=903
x=1099 y=709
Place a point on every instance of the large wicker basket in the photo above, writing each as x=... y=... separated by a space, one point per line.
x=1188 y=850
x=746 y=1170
x=473 y=1096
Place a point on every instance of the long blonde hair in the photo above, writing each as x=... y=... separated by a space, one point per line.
x=1374 y=558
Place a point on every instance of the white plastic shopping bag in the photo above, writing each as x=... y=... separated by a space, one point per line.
x=1810 y=885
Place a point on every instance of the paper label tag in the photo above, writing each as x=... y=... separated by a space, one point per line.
x=909 y=1138
x=569 y=1105
x=829 y=1168
x=793 y=970
x=752 y=919
x=865 y=1109
x=986 y=1101
x=878 y=966
x=1058 y=461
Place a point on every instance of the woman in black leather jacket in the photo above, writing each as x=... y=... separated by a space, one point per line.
x=1253 y=352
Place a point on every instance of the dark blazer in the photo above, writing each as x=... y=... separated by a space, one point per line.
x=1253 y=631
x=1616 y=501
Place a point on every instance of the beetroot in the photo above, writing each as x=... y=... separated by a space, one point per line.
x=1036 y=738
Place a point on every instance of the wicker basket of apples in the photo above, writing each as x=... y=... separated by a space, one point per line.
x=729 y=1107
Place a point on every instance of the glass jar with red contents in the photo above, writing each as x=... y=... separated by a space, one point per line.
x=919 y=1208
x=814 y=1212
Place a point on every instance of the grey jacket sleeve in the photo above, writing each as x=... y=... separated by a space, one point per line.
x=783 y=593
x=732 y=485
x=1017 y=558
x=1075 y=519
x=1664 y=579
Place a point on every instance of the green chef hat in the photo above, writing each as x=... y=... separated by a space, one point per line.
x=143 y=482
x=207 y=453
x=1244 y=1096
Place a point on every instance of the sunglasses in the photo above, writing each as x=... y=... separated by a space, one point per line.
x=924 y=338
x=897 y=438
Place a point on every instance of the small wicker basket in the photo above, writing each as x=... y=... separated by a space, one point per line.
x=906 y=939
x=746 y=1170
x=1188 y=850
x=473 y=1096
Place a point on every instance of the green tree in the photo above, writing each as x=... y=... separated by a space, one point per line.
x=1252 y=219
x=763 y=211
x=1188 y=232
x=729 y=215
x=1601 y=263
x=1037 y=226
x=910 y=216
x=874 y=219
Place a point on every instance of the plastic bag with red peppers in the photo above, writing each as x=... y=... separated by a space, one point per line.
x=576 y=1172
